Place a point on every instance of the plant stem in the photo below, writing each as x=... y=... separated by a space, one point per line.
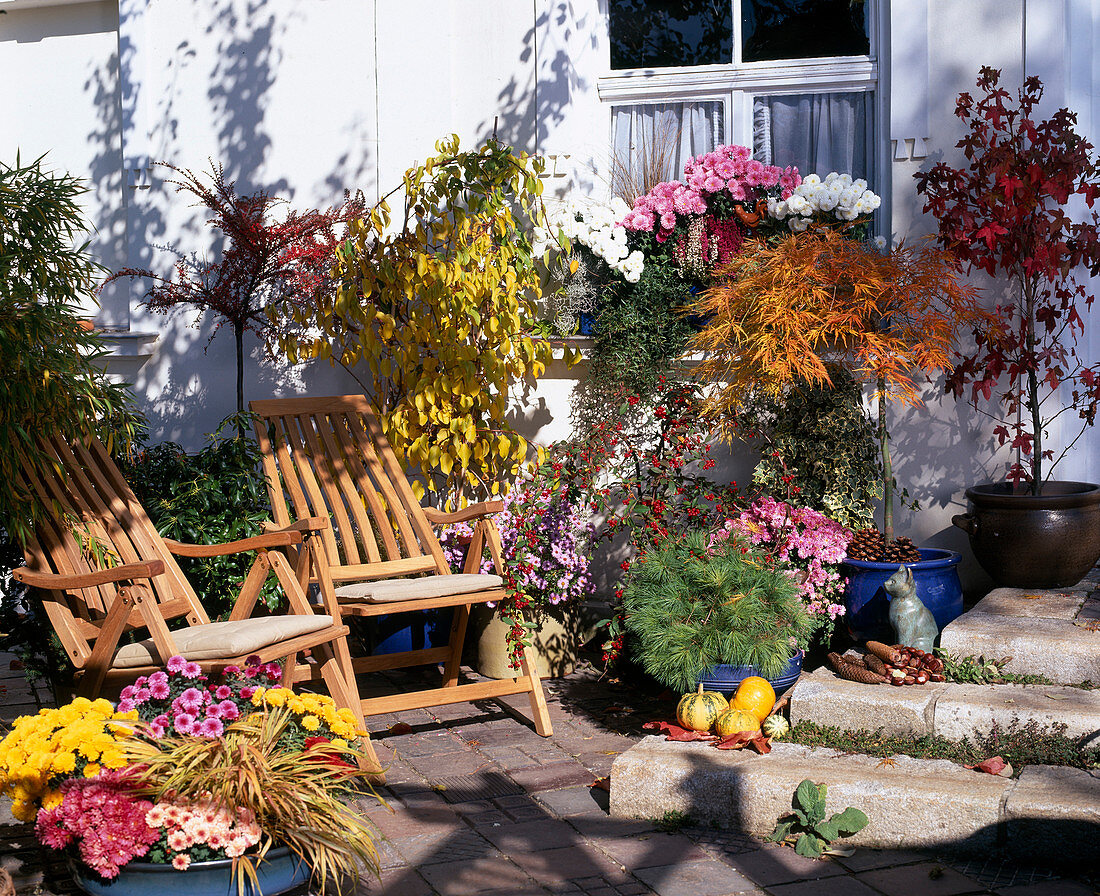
x=1033 y=390
x=238 y=336
x=887 y=467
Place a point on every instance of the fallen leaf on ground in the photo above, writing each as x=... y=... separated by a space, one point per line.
x=675 y=732
x=1057 y=697
x=995 y=765
x=400 y=728
x=1032 y=596
x=16 y=666
x=601 y=784
x=741 y=739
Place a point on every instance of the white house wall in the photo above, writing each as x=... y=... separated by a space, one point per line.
x=311 y=97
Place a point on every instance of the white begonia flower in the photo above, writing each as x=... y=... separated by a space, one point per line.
x=797 y=205
x=781 y=209
x=811 y=180
x=880 y=242
x=797 y=225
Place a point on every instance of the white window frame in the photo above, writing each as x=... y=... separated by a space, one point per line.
x=735 y=84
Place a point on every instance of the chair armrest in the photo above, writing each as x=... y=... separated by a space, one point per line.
x=310 y=524
x=62 y=582
x=277 y=539
x=473 y=512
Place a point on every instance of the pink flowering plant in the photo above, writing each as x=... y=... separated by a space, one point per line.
x=546 y=549
x=806 y=544
x=720 y=183
x=188 y=770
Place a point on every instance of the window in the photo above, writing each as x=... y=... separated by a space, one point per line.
x=794 y=79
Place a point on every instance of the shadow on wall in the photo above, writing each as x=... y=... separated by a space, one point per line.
x=187 y=386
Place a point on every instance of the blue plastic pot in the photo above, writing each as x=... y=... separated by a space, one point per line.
x=280 y=872
x=867 y=605
x=725 y=678
x=399 y=632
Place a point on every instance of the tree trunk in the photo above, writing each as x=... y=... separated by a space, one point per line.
x=887 y=467
x=238 y=335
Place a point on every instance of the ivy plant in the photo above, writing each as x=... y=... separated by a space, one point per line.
x=808 y=828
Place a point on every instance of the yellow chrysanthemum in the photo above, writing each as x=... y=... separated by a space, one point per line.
x=91 y=770
x=311 y=723
x=51 y=799
x=24 y=811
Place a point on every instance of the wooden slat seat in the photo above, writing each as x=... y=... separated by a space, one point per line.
x=328 y=457
x=141 y=588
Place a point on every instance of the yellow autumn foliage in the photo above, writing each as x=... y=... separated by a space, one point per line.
x=431 y=312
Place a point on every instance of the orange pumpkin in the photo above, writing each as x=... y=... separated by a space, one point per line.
x=734 y=720
x=755 y=695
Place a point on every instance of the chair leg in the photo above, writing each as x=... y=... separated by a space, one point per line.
x=539 y=713
x=345 y=693
x=289 y=665
x=458 y=638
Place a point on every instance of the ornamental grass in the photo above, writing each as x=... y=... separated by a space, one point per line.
x=297 y=798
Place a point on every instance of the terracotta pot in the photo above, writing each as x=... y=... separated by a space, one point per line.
x=1025 y=541
x=564 y=631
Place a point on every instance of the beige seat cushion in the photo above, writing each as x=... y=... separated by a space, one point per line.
x=219 y=640
x=385 y=590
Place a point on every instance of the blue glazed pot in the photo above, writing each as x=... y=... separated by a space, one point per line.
x=725 y=678
x=867 y=605
x=280 y=872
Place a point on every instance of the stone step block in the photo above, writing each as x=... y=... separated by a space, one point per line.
x=1055 y=811
x=911 y=803
x=825 y=699
x=1035 y=628
x=963 y=709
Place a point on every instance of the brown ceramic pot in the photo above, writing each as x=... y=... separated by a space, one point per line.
x=1025 y=541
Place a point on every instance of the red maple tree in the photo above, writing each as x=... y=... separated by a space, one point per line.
x=1005 y=213
x=263 y=258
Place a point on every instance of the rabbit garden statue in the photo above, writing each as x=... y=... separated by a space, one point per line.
x=912 y=621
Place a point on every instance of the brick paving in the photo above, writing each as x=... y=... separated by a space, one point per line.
x=477 y=803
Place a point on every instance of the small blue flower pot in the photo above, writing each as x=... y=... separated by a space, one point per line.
x=280 y=872
x=726 y=679
x=867 y=605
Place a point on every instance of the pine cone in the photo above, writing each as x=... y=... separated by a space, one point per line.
x=870 y=545
x=852 y=672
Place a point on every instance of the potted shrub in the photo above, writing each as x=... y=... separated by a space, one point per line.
x=785 y=311
x=697 y=604
x=1004 y=213
x=192 y=786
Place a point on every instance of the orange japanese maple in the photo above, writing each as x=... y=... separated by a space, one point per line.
x=780 y=313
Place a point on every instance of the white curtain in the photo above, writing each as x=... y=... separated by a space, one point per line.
x=818 y=133
x=670 y=133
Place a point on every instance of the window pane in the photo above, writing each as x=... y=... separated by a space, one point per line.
x=666 y=33
x=818 y=133
x=652 y=142
x=803 y=29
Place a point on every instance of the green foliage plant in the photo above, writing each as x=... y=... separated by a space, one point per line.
x=211 y=497
x=49 y=377
x=431 y=314
x=982 y=670
x=691 y=606
x=818 y=448
x=807 y=825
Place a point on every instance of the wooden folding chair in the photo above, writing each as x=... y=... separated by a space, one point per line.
x=91 y=606
x=328 y=457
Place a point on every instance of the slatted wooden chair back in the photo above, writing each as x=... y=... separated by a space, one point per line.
x=85 y=485
x=328 y=457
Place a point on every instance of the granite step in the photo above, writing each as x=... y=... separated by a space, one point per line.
x=950 y=710
x=1055 y=634
x=911 y=803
